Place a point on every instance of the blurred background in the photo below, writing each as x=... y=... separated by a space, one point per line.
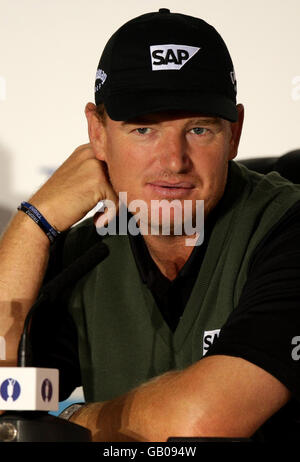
x=49 y=52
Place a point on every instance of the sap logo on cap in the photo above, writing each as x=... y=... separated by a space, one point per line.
x=166 y=57
x=208 y=339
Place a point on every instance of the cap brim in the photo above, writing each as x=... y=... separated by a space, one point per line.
x=131 y=105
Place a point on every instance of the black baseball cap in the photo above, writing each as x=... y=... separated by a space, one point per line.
x=165 y=61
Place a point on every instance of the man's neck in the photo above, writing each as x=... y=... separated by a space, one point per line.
x=169 y=253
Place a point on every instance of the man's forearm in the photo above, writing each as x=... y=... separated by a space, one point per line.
x=154 y=411
x=216 y=396
x=24 y=253
x=73 y=190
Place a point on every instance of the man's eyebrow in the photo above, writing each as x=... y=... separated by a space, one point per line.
x=144 y=120
x=206 y=121
x=140 y=120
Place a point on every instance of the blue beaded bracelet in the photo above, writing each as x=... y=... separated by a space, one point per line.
x=41 y=221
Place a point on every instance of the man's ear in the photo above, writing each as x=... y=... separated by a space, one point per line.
x=96 y=131
x=236 y=131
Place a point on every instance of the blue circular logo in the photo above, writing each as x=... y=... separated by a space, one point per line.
x=10 y=390
x=47 y=390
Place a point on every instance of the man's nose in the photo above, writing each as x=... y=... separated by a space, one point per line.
x=173 y=154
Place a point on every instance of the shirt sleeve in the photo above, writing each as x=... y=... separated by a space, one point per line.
x=265 y=326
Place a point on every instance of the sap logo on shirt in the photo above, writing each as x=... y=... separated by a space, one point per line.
x=208 y=339
x=170 y=56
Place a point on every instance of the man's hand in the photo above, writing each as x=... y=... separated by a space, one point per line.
x=74 y=189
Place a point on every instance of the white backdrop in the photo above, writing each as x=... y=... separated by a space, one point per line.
x=49 y=53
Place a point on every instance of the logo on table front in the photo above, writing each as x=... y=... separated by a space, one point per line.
x=47 y=390
x=10 y=390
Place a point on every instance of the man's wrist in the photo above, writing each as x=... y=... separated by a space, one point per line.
x=38 y=218
x=26 y=226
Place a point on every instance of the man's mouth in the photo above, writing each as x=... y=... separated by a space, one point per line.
x=171 y=189
x=168 y=184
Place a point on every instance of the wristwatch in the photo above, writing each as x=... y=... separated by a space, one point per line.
x=70 y=410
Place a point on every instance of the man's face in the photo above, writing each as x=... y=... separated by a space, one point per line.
x=174 y=156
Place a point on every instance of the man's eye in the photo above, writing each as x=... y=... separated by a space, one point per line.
x=199 y=130
x=143 y=130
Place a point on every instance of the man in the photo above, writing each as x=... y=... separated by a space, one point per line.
x=136 y=328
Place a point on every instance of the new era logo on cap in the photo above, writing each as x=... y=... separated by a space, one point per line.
x=170 y=56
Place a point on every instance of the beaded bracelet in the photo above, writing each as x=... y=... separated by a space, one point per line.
x=41 y=221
